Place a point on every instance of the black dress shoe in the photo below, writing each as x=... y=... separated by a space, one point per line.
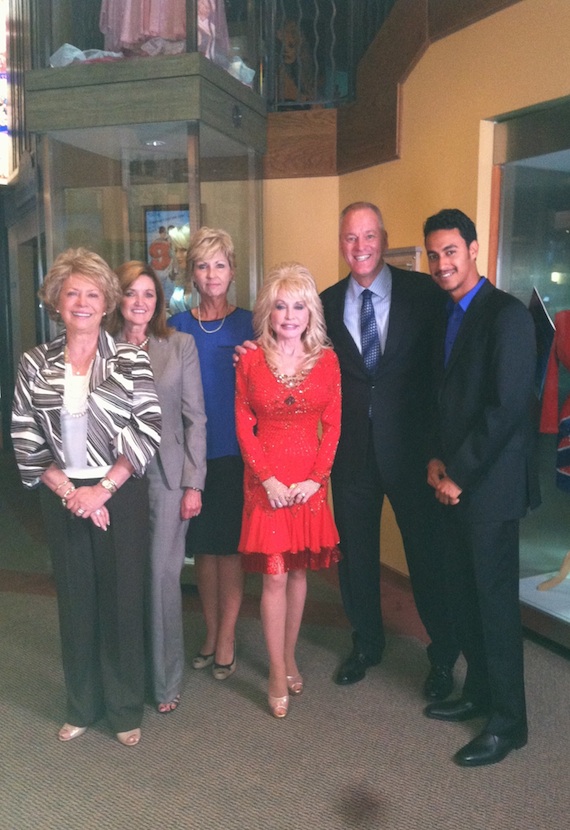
x=439 y=683
x=487 y=748
x=354 y=667
x=455 y=710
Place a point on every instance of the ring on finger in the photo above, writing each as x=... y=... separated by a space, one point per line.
x=80 y=511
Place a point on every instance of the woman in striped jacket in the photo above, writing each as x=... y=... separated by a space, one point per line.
x=86 y=422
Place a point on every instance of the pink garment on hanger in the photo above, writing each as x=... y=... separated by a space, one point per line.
x=127 y=23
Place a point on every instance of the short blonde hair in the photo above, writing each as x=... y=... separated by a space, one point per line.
x=296 y=280
x=83 y=263
x=128 y=273
x=205 y=243
x=363 y=206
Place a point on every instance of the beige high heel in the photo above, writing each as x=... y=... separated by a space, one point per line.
x=295 y=684
x=130 y=738
x=279 y=706
x=69 y=732
x=558 y=578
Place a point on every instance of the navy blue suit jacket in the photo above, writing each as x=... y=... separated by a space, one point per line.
x=484 y=425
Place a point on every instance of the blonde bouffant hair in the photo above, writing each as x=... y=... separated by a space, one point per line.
x=83 y=263
x=293 y=279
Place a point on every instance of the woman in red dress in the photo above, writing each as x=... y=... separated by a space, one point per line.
x=288 y=425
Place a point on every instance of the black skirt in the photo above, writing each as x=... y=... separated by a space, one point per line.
x=216 y=530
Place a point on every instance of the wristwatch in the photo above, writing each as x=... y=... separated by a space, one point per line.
x=109 y=484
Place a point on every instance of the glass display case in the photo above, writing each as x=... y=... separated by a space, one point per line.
x=534 y=264
x=136 y=153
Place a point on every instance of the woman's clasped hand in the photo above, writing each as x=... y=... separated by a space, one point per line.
x=281 y=495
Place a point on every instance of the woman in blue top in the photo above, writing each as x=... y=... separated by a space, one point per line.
x=217 y=326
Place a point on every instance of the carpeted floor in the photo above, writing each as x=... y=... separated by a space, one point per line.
x=360 y=757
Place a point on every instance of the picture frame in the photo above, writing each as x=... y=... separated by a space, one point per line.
x=158 y=219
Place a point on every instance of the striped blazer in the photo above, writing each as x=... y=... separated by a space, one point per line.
x=124 y=416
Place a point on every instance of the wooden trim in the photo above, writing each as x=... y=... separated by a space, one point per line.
x=494 y=222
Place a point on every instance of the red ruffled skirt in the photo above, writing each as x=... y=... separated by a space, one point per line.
x=303 y=536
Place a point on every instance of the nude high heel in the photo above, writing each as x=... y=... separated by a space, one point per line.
x=130 y=738
x=295 y=684
x=69 y=732
x=279 y=706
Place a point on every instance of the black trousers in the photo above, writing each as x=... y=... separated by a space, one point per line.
x=358 y=508
x=482 y=567
x=100 y=584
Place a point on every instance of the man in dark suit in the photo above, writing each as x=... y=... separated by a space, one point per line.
x=382 y=338
x=484 y=478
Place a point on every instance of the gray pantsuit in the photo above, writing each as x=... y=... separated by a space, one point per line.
x=179 y=463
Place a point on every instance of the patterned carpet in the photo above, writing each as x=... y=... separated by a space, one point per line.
x=360 y=757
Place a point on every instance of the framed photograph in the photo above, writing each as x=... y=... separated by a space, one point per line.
x=158 y=220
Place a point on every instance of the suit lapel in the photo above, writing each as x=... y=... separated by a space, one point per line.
x=472 y=316
x=157 y=354
x=340 y=335
x=398 y=317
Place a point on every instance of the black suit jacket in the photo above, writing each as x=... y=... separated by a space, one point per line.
x=400 y=392
x=485 y=431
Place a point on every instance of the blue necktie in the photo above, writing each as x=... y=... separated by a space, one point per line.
x=453 y=325
x=369 y=339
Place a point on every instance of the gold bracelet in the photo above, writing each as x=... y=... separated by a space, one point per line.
x=67 y=493
x=62 y=484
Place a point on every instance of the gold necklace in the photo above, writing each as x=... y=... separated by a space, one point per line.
x=212 y=331
x=289 y=381
x=82 y=368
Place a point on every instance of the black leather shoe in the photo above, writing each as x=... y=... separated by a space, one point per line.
x=354 y=667
x=455 y=710
x=487 y=748
x=439 y=683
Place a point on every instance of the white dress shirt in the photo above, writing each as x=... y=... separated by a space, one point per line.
x=381 y=290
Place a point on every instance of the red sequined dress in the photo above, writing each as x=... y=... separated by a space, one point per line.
x=278 y=431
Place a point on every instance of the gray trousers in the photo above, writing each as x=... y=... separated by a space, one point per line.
x=168 y=540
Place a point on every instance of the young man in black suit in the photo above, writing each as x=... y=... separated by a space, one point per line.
x=382 y=451
x=483 y=476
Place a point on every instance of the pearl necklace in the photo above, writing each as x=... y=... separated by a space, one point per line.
x=212 y=331
x=142 y=345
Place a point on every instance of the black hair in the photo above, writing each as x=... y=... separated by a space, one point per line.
x=450 y=219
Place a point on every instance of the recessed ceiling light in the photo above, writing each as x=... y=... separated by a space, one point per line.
x=155 y=143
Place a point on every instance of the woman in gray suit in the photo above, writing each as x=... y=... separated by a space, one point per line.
x=177 y=473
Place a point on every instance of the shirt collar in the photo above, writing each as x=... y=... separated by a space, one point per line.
x=465 y=301
x=381 y=285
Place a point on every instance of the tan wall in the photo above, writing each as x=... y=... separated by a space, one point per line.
x=513 y=59
x=300 y=222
